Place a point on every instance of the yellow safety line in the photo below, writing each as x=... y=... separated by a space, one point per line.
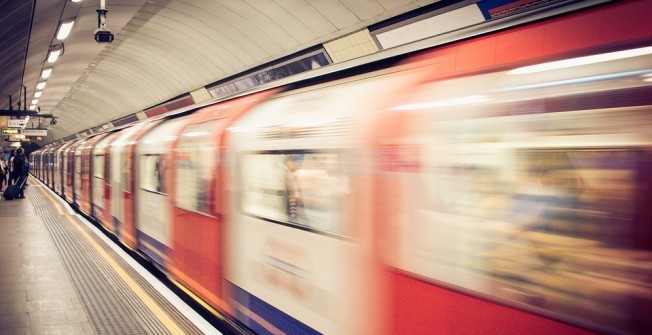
x=137 y=289
x=56 y=203
x=197 y=299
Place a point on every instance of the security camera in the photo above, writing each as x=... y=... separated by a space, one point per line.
x=103 y=35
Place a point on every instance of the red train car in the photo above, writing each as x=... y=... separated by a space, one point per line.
x=197 y=182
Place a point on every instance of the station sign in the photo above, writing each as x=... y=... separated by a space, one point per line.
x=16 y=123
x=9 y=131
x=34 y=132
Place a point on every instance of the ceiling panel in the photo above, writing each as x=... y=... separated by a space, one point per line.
x=162 y=48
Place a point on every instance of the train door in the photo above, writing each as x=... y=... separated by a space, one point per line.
x=121 y=175
x=101 y=185
x=117 y=173
x=69 y=170
x=79 y=170
x=152 y=201
x=49 y=167
x=59 y=173
x=86 y=192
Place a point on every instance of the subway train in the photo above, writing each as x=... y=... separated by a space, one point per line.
x=496 y=184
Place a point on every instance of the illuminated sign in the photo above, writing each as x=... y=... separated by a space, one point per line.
x=9 y=131
x=34 y=132
x=16 y=123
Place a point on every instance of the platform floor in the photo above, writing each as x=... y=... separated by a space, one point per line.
x=61 y=275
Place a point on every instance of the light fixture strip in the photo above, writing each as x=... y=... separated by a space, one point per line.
x=64 y=30
x=45 y=74
x=54 y=55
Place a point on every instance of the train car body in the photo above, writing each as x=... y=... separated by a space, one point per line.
x=495 y=175
x=300 y=242
x=496 y=185
x=197 y=193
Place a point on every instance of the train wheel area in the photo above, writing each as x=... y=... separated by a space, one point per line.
x=61 y=275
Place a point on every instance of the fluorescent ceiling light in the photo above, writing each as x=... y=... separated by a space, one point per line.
x=54 y=55
x=46 y=73
x=566 y=63
x=37 y=94
x=40 y=85
x=34 y=101
x=32 y=107
x=76 y=0
x=64 y=30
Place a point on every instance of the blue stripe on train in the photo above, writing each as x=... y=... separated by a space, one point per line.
x=271 y=314
x=116 y=226
x=160 y=248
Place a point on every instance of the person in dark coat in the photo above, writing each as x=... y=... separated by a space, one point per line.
x=20 y=171
x=10 y=167
x=3 y=173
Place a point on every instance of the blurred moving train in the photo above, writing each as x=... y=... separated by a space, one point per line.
x=499 y=184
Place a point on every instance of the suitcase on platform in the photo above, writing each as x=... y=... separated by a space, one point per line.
x=13 y=191
x=8 y=194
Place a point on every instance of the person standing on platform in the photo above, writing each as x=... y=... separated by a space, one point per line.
x=3 y=174
x=20 y=171
x=10 y=161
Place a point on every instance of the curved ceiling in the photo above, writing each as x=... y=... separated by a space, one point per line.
x=162 y=49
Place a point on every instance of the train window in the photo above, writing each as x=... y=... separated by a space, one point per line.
x=195 y=161
x=303 y=188
x=556 y=219
x=84 y=163
x=125 y=172
x=152 y=173
x=98 y=167
x=78 y=163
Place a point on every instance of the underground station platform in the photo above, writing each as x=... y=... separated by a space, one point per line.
x=59 y=274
